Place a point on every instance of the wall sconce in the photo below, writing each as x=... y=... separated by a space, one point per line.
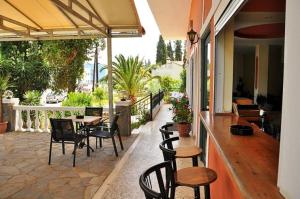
x=192 y=35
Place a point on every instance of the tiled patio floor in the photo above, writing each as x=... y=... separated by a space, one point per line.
x=25 y=173
x=124 y=185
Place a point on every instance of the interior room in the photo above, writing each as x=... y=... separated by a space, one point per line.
x=258 y=64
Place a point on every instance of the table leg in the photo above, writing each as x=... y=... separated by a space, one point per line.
x=195 y=161
x=88 y=142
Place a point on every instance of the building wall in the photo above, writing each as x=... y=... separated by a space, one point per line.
x=289 y=161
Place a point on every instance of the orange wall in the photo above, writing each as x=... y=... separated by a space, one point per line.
x=207 y=7
x=195 y=14
x=224 y=186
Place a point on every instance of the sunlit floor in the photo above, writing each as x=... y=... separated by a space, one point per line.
x=124 y=185
x=25 y=173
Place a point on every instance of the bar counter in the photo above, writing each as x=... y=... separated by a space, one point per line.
x=247 y=166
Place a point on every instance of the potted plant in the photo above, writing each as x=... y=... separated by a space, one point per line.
x=182 y=115
x=3 y=87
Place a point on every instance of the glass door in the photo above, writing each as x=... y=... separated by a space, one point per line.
x=205 y=75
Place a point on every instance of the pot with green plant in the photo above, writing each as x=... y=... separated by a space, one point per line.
x=3 y=88
x=182 y=115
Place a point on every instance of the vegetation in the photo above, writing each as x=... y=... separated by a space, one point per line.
x=178 y=50
x=3 y=86
x=161 y=52
x=66 y=59
x=100 y=95
x=78 y=99
x=182 y=88
x=32 y=98
x=170 y=51
x=24 y=62
x=181 y=110
x=131 y=75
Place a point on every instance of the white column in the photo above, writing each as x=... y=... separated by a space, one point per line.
x=289 y=161
x=19 y=120
x=109 y=64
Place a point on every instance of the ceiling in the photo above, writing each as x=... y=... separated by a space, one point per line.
x=172 y=17
x=63 y=19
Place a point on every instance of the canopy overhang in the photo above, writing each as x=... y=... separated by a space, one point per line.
x=172 y=17
x=68 y=19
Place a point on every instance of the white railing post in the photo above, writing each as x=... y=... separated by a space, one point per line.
x=46 y=128
x=44 y=120
x=37 y=121
x=28 y=122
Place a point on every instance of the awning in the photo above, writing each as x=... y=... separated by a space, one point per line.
x=67 y=19
x=172 y=17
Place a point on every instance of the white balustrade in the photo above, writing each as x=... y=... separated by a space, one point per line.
x=39 y=115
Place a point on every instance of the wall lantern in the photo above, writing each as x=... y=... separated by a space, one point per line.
x=192 y=35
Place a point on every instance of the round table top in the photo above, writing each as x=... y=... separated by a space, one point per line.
x=195 y=176
x=187 y=152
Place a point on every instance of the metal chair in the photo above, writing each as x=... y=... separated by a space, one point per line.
x=95 y=111
x=109 y=132
x=63 y=132
x=166 y=187
x=193 y=177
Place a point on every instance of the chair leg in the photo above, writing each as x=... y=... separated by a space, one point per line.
x=207 y=192
x=197 y=192
x=50 y=151
x=115 y=147
x=74 y=154
x=96 y=142
x=63 y=147
x=100 y=141
x=120 y=139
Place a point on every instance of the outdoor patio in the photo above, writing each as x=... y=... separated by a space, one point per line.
x=25 y=173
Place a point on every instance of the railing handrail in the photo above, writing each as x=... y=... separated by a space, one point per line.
x=51 y=108
x=147 y=96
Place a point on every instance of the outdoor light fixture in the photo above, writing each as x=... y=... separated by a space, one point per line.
x=192 y=35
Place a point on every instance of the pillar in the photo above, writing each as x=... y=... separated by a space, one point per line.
x=124 y=122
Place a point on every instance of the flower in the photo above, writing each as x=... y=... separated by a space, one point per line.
x=181 y=110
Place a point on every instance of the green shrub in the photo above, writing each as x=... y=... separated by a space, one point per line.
x=78 y=99
x=99 y=96
x=32 y=98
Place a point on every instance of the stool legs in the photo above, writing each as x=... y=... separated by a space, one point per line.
x=196 y=189
x=207 y=191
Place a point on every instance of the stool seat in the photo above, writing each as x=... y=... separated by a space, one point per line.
x=195 y=176
x=187 y=152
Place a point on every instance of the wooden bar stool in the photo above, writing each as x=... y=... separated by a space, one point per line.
x=193 y=177
x=181 y=152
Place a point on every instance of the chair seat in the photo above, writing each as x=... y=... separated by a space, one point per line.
x=195 y=176
x=187 y=152
x=99 y=133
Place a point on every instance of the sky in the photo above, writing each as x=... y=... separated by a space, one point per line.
x=145 y=46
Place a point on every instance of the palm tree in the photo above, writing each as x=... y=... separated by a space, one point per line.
x=131 y=75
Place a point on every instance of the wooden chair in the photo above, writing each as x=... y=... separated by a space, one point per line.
x=193 y=177
x=109 y=132
x=95 y=111
x=165 y=186
x=181 y=152
x=63 y=132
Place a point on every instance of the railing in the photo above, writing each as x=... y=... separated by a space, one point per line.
x=36 y=118
x=142 y=110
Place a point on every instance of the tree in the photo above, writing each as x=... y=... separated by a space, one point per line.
x=170 y=51
x=66 y=59
x=178 y=50
x=161 y=51
x=99 y=44
x=23 y=61
x=131 y=75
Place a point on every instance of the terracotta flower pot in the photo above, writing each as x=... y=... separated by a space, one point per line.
x=3 y=127
x=183 y=129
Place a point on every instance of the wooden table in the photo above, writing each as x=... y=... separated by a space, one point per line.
x=246 y=165
x=86 y=120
